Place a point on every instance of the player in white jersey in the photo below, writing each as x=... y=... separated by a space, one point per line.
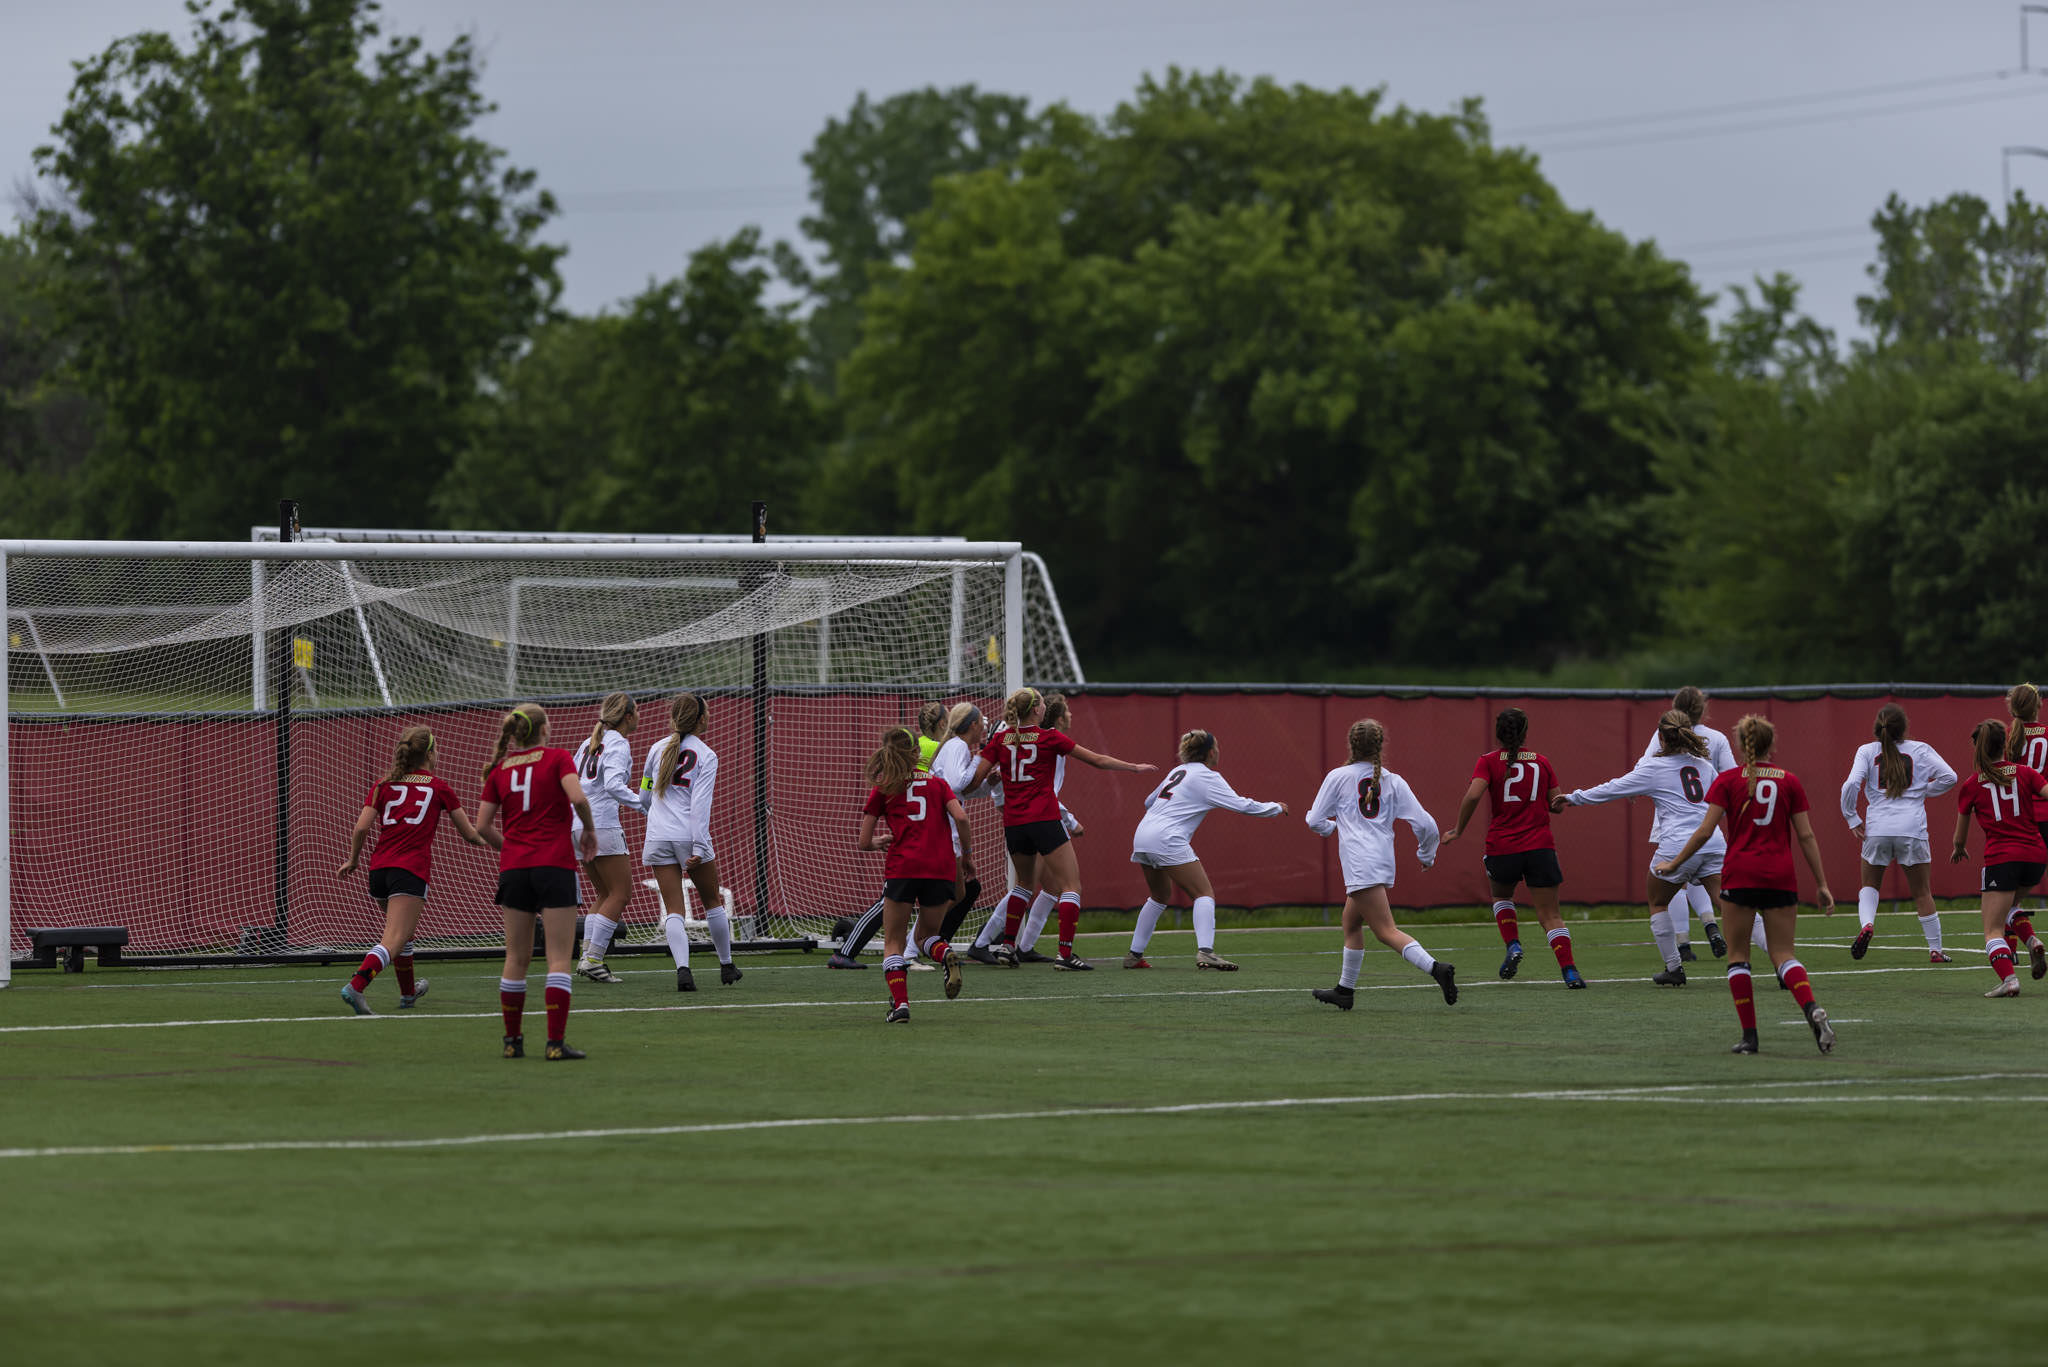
x=681 y=771
x=1162 y=846
x=1675 y=777
x=1361 y=801
x=1695 y=899
x=1895 y=777
x=604 y=763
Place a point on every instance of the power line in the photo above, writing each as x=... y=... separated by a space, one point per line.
x=1724 y=269
x=1704 y=111
x=1798 y=121
x=1770 y=239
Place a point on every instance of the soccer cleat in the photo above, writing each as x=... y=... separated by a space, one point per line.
x=1685 y=954
x=2007 y=987
x=729 y=973
x=1073 y=963
x=595 y=970
x=1671 y=977
x=1032 y=956
x=1860 y=946
x=982 y=954
x=1006 y=955
x=2037 y=957
x=920 y=966
x=1939 y=956
x=1823 y=1033
x=1135 y=960
x=1339 y=997
x=1512 y=964
x=898 y=1015
x=355 y=1000
x=685 y=980
x=1714 y=940
x=1747 y=1044
x=407 y=1001
x=515 y=1046
x=1446 y=975
x=558 y=1051
x=1572 y=978
x=841 y=959
x=952 y=967
x=1209 y=958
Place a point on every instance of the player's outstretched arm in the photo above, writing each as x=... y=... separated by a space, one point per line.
x=1466 y=806
x=1122 y=766
x=364 y=820
x=1810 y=847
x=465 y=830
x=1960 y=850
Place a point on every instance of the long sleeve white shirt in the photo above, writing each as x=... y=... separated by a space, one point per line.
x=1365 y=828
x=611 y=788
x=683 y=813
x=1906 y=814
x=1677 y=784
x=1174 y=810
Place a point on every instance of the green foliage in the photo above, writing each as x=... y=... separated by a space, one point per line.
x=47 y=429
x=283 y=264
x=1957 y=285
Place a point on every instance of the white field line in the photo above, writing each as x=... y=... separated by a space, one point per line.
x=340 y=1017
x=1682 y=1093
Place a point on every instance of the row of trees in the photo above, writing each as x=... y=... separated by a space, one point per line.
x=1280 y=380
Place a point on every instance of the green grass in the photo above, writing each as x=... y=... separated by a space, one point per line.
x=1445 y=1215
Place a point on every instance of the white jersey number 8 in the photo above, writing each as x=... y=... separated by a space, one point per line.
x=1766 y=793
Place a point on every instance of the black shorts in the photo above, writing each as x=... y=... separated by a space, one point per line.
x=396 y=883
x=2011 y=877
x=1035 y=837
x=919 y=892
x=535 y=890
x=1761 y=899
x=1537 y=868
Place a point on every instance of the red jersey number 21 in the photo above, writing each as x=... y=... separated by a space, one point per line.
x=1507 y=787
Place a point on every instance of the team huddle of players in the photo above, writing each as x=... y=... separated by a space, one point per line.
x=548 y=812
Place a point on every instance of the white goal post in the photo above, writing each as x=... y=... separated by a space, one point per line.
x=192 y=725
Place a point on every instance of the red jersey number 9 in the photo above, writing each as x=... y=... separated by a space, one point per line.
x=1766 y=794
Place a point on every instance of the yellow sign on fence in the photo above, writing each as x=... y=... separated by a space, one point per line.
x=302 y=653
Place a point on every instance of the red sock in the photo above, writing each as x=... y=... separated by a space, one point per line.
x=513 y=1004
x=1070 y=921
x=1014 y=908
x=935 y=949
x=1504 y=917
x=2001 y=958
x=2012 y=943
x=1745 y=1000
x=2021 y=926
x=899 y=986
x=402 y=966
x=1561 y=946
x=1794 y=977
x=558 y=1011
x=373 y=964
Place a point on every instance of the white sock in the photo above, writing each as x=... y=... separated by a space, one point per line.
x=678 y=940
x=1667 y=942
x=1034 y=920
x=1681 y=920
x=720 y=921
x=1205 y=923
x=1415 y=954
x=993 y=926
x=597 y=935
x=1148 y=921
x=1758 y=939
x=1702 y=905
x=1930 y=926
x=1354 y=959
x=1866 y=907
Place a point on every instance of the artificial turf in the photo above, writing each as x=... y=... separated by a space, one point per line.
x=1531 y=1176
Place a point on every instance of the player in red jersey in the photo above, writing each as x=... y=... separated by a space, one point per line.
x=405 y=810
x=1519 y=847
x=537 y=790
x=1766 y=808
x=919 y=871
x=1023 y=757
x=2026 y=743
x=2008 y=801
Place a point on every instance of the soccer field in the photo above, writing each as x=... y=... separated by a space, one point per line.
x=1156 y=1166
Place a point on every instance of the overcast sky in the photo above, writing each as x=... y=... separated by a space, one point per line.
x=662 y=126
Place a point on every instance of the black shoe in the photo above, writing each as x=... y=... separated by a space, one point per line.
x=515 y=1046
x=728 y=974
x=1032 y=956
x=557 y=1051
x=1714 y=940
x=1071 y=963
x=840 y=959
x=685 y=982
x=1671 y=977
x=1446 y=975
x=982 y=954
x=898 y=1015
x=1512 y=964
x=1339 y=997
x=1747 y=1045
x=1861 y=944
x=1572 y=978
x=1685 y=954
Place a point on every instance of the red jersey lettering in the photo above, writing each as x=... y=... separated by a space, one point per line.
x=1520 y=789
x=406 y=814
x=1025 y=759
x=920 y=831
x=1759 y=810
x=2008 y=811
x=527 y=787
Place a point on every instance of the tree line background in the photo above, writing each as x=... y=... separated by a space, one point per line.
x=1284 y=383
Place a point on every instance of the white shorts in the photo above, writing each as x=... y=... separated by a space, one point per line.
x=610 y=839
x=1880 y=850
x=1706 y=864
x=1368 y=873
x=1165 y=856
x=677 y=852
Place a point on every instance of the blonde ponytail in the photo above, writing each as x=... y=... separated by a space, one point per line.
x=685 y=718
x=522 y=725
x=611 y=715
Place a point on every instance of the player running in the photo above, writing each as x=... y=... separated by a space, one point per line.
x=1361 y=801
x=931 y=728
x=1765 y=805
x=918 y=872
x=1895 y=777
x=2026 y=743
x=604 y=762
x=405 y=810
x=1696 y=900
x=1162 y=846
x=1519 y=846
x=2009 y=800
x=681 y=771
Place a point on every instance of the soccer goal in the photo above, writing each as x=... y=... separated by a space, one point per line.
x=192 y=726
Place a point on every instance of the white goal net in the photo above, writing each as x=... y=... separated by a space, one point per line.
x=192 y=729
